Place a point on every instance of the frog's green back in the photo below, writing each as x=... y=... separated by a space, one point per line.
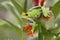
x=32 y=13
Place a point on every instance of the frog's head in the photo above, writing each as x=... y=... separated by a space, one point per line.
x=24 y=15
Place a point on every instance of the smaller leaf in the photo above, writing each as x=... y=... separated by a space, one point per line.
x=25 y=5
x=58 y=38
x=56 y=30
x=19 y=8
x=11 y=9
x=49 y=36
x=19 y=31
x=56 y=8
x=2 y=22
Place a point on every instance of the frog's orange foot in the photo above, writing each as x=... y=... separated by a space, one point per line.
x=27 y=27
x=47 y=17
x=31 y=33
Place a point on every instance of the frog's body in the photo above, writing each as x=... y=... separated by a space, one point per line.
x=35 y=11
x=32 y=12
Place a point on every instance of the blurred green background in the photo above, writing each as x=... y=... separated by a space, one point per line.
x=9 y=33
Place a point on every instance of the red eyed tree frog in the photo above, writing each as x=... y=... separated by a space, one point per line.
x=32 y=13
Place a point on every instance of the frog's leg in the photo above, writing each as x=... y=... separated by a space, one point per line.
x=33 y=26
x=31 y=32
x=44 y=11
x=42 y=2
x=26 y=27
x=35 y=2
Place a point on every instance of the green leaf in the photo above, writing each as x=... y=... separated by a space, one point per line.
x=14 y=13
x=19 y=31
x=56 y=8
x=8 y=33
x=17 y=5
x=43 y=33
x=58 y=38
x=11 y=9
x=49 y=36
x=56 y=30
x=1 y=22
x=20 y=20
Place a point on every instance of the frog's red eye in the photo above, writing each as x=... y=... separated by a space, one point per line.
x=26 y=14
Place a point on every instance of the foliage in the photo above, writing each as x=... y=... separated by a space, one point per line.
x=43 y=33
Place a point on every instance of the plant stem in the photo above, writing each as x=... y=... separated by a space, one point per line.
x=25 y=6
x=40 y=34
